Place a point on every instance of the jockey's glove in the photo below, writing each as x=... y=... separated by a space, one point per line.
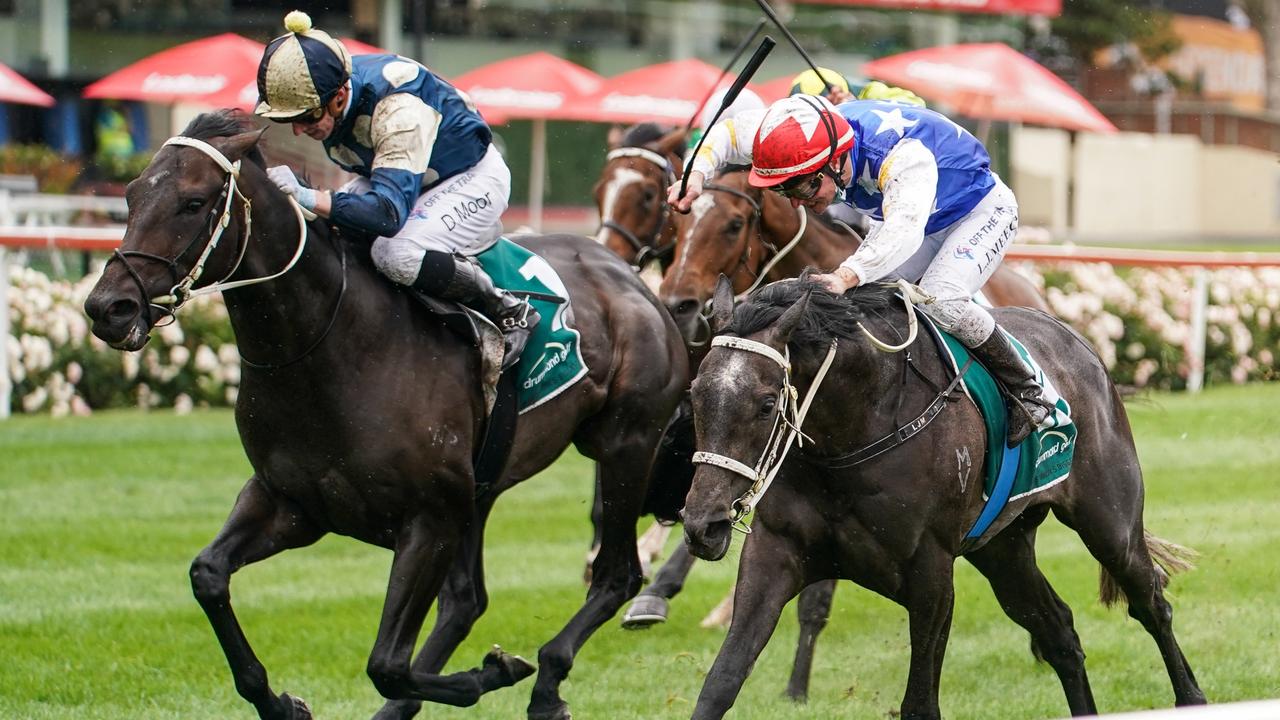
x=288 y=183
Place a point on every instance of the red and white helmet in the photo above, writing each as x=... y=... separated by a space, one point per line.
x=798 y=136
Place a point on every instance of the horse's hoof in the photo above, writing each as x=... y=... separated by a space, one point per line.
x=504 y=669
x=295 y=707
x=559 y=712
x=645 y=610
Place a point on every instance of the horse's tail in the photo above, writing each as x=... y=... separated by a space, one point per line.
x=1168 y=558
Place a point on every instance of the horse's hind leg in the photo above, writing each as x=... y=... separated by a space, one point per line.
x=812 y=610
x=463 y=599
x=258 y=527
x=1125 y=553
x=615 y=577
x=1009 y=563
x=425 y=550
x=650 y=606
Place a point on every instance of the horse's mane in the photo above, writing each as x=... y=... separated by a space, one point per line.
x=827 y=316
x=642 y=134
x=224 y=123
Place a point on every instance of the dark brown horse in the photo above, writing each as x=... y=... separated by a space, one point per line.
x=893 y=516
x=631 y=194
x=360 y=414
x=753 y=237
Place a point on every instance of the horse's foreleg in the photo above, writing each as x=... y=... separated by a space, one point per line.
x=615 y=576
x=463 y=599
x=767 y=580
x=929 y=598
x=1008 y=562
x=258 y=527
x=425 y=550
x=813 y=609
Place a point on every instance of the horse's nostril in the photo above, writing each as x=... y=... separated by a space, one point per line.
x=121 y=311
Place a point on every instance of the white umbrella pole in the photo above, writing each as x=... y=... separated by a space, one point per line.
x=537 y=172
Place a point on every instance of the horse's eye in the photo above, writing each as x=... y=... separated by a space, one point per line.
x=735 y=226
x=191 y=207
x=768 y=406
x=649 y=196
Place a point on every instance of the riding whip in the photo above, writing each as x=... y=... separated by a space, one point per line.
x=753 y=64
x=768 y=11
x=742 y=47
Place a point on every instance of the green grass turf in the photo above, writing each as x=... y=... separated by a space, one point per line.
x=100 y=517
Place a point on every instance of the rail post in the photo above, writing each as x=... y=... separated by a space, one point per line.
x=1195 y=342
x=6 y=386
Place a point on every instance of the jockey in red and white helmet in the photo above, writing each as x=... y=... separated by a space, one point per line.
x=940 y=217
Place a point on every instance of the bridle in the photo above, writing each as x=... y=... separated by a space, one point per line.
x=787 y=422
x=790 y=415
x=646 y=252
x=183 y=290
x=773 y=253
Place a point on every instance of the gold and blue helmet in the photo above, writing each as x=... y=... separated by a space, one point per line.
x=300 y=70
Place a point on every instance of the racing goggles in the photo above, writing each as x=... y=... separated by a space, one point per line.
x=802 y=188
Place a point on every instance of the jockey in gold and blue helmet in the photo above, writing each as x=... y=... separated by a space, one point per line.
x=431 y=186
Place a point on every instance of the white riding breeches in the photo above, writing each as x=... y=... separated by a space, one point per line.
x=462 y=214
x=956 y=261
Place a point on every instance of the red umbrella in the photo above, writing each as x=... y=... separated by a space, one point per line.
x=776 y=89
x=355 y=47
x=669 y=92
x=218 y=71
x=533 y=86
x=990 y=81
x=16 y=89
x=536 y=86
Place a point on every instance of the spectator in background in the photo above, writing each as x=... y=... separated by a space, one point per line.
x=111 y=132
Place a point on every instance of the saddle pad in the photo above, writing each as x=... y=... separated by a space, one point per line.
x=1037 y=463
x=552 y=361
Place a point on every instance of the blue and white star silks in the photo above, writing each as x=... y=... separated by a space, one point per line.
x=964 y=167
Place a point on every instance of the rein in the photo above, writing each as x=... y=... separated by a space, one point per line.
x=646 y=251
x=183 y=291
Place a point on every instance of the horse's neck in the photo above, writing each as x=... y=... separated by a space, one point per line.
x=819 y=246
x=279 y=317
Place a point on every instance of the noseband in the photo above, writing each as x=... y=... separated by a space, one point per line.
x=646 y=251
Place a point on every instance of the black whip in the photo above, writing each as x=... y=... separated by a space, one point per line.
x=753 y=64
x=742 y=47
x=768 y=11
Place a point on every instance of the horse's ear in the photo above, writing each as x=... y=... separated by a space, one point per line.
x=673 y=143
x=721 y=305
x=613 y=140
x=237 y=146
x=790 y=320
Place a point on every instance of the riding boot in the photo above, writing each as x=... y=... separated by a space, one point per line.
x=516 y=318
x=1029 y=408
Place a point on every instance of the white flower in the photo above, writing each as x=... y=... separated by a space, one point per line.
x=182 y=404
x=206 y=360
x=34 y=400
x=179 y=355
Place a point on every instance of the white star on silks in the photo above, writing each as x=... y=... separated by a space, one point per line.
x=893 y=121
x=866 y=182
